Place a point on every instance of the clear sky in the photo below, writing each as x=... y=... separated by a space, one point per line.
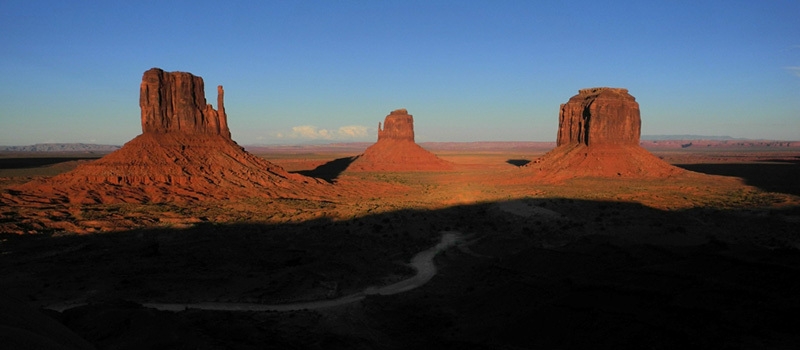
x=329 y=71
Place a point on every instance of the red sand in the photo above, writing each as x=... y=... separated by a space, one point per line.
x=607 y=161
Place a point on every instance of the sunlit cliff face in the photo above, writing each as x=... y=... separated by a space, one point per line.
x=398 y=126
x=600 y=116
x=175 y=102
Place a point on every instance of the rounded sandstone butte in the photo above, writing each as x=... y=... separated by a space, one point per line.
x=598 y=136
x=398 y=125
x=176 y=102
x=599 y=116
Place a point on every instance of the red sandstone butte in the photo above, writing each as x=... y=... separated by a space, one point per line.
x=598 y=136
x=397 y=126
x=599 y=116
x=396 y=149
x=185 y=153
x=176 y=102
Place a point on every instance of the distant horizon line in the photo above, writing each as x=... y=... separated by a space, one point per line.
x=653 y=137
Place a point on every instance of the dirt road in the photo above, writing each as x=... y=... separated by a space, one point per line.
x=422 y=262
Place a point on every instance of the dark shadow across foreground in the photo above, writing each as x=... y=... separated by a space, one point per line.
x=599 y=275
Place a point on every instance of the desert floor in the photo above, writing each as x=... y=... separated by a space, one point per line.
x=710 y=259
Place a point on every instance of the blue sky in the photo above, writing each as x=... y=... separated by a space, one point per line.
x=329 y=71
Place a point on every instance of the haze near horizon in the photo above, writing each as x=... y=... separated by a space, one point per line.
x=329 y=72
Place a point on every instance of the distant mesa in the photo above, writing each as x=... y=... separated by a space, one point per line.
x=61 y=147
x=185 y=153
x=396 y=149
x=598 y=136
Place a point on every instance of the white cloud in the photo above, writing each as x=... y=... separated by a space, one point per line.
x=794 y=70
x=311 y=132
x=353 y=131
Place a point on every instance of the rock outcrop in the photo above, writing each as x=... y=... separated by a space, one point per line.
x=184 y=154
x=396 y=149
x=599 y=116
x=398 y=126
x=176 y=102
x=598 y=136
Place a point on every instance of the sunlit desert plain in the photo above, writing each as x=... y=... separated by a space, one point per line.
x=584 y=243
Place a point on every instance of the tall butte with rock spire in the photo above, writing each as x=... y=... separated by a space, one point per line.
x=598 y=136
x=185 y=153
x=396 y=149
x=175 y=102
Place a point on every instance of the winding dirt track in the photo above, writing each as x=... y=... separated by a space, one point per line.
x=422 y=262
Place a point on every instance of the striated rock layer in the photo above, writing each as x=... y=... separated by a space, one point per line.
x=598 y=136
x=396 y=149
x=185 y=153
